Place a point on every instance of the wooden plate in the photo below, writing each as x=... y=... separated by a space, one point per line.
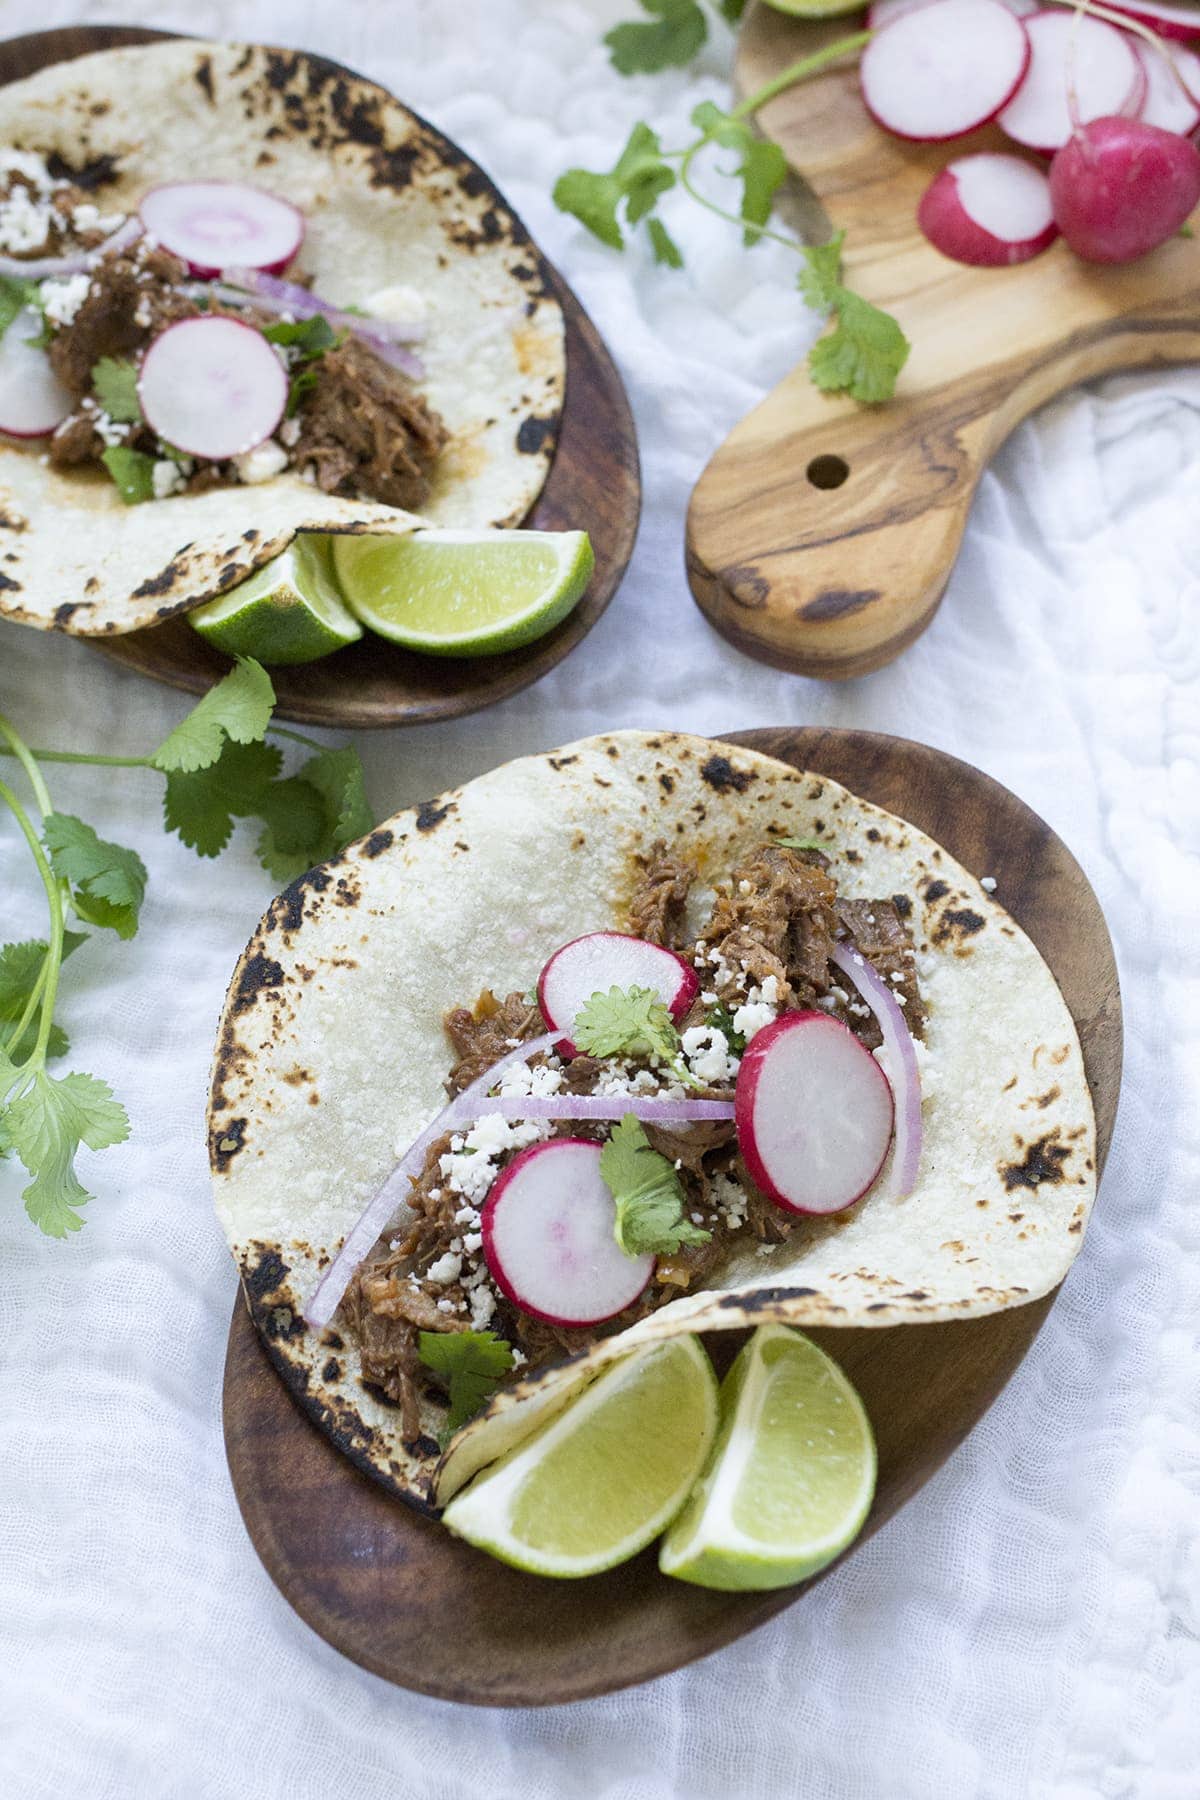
x=395 y=1592
x=594 y=485
x=822 y=534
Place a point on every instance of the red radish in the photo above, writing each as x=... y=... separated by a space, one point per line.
x=1081 y=69
x=213 y=225
x=212 y=387
x=989 y=211
x=814 y=1114
x=1121 y=188
x=1178 y=22
x=548 y=1237
x=1172 y=89
x=32 y=398
x=607 y=959
x=944 y=69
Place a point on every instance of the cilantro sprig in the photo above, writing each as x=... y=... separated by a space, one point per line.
x=217 y=767
x=651 y=1204
x=472 y=1364
x=865 y=349
x=631 y=1021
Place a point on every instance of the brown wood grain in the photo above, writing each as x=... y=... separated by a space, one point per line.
x=594 y=485
x=836 y=581
x=392 y=1590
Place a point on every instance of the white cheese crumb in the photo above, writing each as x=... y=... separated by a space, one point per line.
x=483 y=1305
x=988 y=884
x=107 y=429
x=708 y=1055
x=445 y=1306
x=748 y=1020
x=62 y=299
x=289 y=431
x=521 y=1079
x=472 y=1242
x=262 y=463
x=447 y=1268
x=518 y=1358
x=168 y=479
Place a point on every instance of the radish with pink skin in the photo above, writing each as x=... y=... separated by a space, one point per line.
x=1177 y=22
x=814 y=1114
x=944 y=69
x=607 y=959
x=1121 y=188
x=32 y=398
x=989 y=211
x=1080 y=69
x=886 y=12
x=215 y=225
x=548 y=1237
x=212 y=387
x=1172 y=89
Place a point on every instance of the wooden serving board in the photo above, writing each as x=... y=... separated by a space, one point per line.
x=594 y=484
x=822 y=534
x=395 y=1592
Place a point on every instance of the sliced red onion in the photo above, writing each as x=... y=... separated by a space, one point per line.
x=901 y=1067
x=651 y=1108
x=327 y=1295
x=41 y=268
x=385 y=337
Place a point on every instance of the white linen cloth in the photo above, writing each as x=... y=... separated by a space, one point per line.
x=1030 y=1624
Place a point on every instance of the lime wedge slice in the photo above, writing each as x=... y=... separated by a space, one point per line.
x=816 y=9
x=289 y=611
x=598 y=1482
x=464 y=593
x=791 y=1476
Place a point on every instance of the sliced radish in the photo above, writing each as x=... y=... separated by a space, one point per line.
x=814 y=1114
x=1177 y=22
x=989 y=211
x=607 y=959
x=1172 y=89
x=32 y=398
x=1121 y=188
x=213 y=225
x=212 y=387
x=944 y=69
x=1073 y=58
x=548 y=1237
x=897 y=1056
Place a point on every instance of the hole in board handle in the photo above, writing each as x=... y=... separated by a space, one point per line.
x=827 y=471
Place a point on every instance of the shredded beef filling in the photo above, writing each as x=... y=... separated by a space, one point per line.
x=360 y=429
x=780 y=915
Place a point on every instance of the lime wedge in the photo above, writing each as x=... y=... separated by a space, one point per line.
x=289 y=611
x=791 y=1476
x=598 y=1482
x=464 y=593
x=816 y=9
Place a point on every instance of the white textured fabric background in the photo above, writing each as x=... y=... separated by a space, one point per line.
x=1030 y=1624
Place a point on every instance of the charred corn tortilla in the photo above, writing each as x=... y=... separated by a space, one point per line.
x=332 y=1055
x=388 y=202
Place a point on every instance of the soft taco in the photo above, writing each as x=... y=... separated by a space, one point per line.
x=672 y=945
x=245 y=293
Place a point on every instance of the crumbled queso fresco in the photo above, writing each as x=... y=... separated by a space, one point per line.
x=469 y=1168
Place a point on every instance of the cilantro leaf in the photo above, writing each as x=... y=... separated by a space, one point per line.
x=308 y=337
x=721 y=1019
x=791 y=843
x=670 y=39
x=651 y=1217
x=636 y=181
x=314 y=814
x=20 y=969
x=473 y=1363
x=201 y=804
x=626 y=1022
x=731 y=10
x=239 y=707
x=762 y=166
x=45 y=1125
x=108 y=882
x=866 y=350
x=133 y=472
x=666 y=250
x=114 y=379
x=15 y=295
